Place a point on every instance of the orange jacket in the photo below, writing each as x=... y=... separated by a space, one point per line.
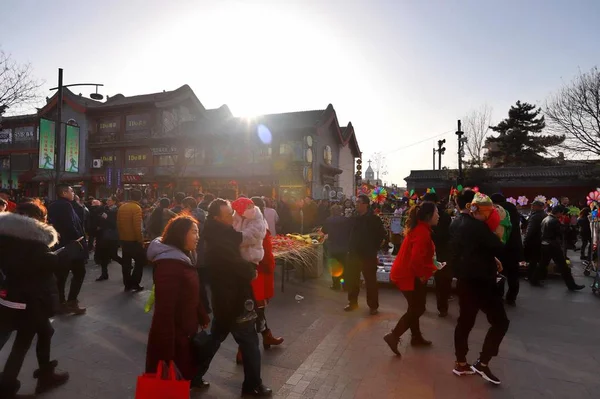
x=415 y=259
x=129 y=222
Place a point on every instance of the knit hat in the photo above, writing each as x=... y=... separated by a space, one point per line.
x=241 y=204
x=481 y=202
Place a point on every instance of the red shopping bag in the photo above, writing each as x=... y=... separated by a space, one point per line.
x=162 y=385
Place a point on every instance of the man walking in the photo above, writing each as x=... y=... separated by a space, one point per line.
x=513 y=249
x=337 y=228
x=533 y=237
x=232 y=302
x=63 y=218
x=552 y=250
x=441 y=238
x=366 y=237
x=129 y=225
x=474 y=248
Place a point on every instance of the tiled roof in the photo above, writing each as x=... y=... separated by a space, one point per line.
x=562 y=171
x=120 y=99
x=291 y=120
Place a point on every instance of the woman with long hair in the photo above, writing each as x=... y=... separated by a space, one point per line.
x=30 y=293
x=107 y=240
x=178 y=311
x=413 y=266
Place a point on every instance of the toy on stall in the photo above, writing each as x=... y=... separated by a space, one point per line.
x=540 y=198
x=511 y=200
x=379 y=195
x=553 y=201
x=522 y=201
x=593 y=196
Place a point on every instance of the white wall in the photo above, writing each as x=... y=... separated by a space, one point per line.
x=346 y=179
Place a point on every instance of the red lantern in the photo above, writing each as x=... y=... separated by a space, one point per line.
x=233 y=183
x=196 y=183
x=155 y=186
x=476 y=189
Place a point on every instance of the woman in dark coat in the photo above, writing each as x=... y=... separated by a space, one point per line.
x=29 y=294
x=178 y=311
x=108 y=237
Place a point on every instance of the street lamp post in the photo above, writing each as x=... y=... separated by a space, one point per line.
x=58 y=123
x=461 y=143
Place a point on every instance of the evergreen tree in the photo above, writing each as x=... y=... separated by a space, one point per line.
x=520 y=142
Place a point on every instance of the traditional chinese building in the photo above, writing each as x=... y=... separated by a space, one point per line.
x=168 y=141
x=574 y=180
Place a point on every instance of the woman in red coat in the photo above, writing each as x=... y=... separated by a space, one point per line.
x=263 y=287
x=413 y=266
x=178 y=311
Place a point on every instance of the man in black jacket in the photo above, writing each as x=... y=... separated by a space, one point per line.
x=513 y=249
x=474 y=250
x=533 y=237
x=69 y=226
x=441 y=238
x=366 y=238
x=232 y=299
x=552 y=250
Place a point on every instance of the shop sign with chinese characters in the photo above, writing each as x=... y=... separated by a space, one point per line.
x=72 y=149
x=46 y=147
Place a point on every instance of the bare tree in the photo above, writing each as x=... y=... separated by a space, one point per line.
x=379 y=165
x=17 y=86
x=477 y=125
x=575 y=112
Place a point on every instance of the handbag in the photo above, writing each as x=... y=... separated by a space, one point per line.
x=167 y=383
x=202 y=344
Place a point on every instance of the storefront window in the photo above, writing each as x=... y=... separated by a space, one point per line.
x=291 y=150
x=195 y=156
x=165 y=160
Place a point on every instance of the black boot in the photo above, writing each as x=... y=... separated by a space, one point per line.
x=9 y=391
x=48 y=378
x=259 y=392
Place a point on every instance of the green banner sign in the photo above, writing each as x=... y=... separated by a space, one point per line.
x=72 y=149
x=46 y=148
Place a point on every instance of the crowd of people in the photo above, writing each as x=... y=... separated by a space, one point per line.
x=213 y=264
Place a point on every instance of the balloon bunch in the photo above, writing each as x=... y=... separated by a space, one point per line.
x=512 y=200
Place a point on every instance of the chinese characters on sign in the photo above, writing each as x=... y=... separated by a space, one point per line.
x=108 y=125
x=5 y=136
x=72 y=149
x=46 y=147
x=23 y=134
x=138 y=157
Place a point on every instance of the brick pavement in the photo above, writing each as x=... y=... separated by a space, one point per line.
x=550 y=350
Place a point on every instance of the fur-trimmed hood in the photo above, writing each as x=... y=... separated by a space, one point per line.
x=25 y=228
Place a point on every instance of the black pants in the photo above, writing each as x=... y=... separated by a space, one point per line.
x=107 y=250
x=555 y=253
x=473 y=297
x=416 y=307
x=204 y=287
x=533 y=253
x=368 y=267
x=23 y=340
x=78 y=269
x=132 y=275
x=443 y=287
x=511 y=272
x=585 y=241
x=337 y=262
x=247 y=339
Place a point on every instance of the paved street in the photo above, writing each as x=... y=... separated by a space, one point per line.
x=551 y=349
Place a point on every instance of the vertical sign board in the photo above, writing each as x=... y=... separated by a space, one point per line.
x=72 y=149
x=46 y=156
x=119 y=177
x=109 y=175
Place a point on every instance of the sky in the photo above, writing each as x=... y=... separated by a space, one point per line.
x=402 y=71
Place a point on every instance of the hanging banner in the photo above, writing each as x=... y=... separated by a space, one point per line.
x=109 y=175
x=72 y=149
x=46 y=147
x=119 y=177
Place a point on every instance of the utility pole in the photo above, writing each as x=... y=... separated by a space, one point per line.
x=57 y=130
x=433 y=158
x=441 y=151
x=461 y=143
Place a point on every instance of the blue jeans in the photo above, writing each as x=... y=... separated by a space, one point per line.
x=246 y=337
